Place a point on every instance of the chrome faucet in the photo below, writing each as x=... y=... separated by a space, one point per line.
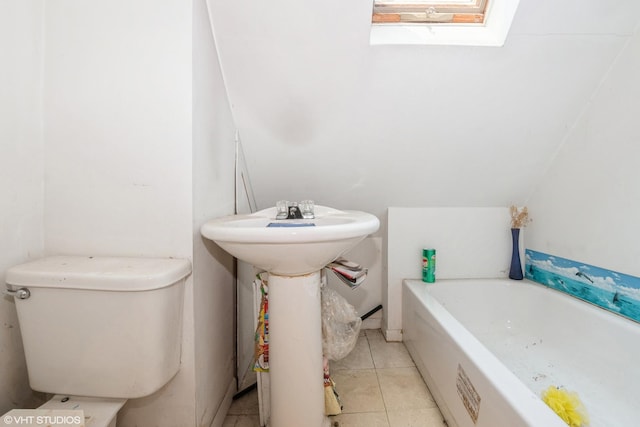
x=293 y=210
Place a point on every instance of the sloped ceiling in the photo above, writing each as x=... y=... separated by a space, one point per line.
x=324 y=115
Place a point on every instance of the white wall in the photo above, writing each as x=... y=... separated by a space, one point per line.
x=117 y=94
x=117 y=139
x=326 y=116
x=469 y=243
x=21 y=175
x=213 y=195
x=118 y=168
x=587 y=206
x=128 y=170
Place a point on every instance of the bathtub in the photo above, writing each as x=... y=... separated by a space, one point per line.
x=487 y=348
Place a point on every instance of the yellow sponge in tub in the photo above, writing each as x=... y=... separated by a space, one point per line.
x=567 y=405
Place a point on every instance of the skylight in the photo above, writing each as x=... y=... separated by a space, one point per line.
x=442 y=22
x=433 y=12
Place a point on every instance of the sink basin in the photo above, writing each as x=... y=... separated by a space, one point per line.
x=290 y=247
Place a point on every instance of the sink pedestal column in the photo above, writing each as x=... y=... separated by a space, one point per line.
x=295 y=352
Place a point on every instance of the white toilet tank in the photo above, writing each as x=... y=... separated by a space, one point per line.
x=101 y=327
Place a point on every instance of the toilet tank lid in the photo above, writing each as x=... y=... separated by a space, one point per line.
x=99 y=273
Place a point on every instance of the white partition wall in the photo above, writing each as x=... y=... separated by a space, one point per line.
x=469 y=242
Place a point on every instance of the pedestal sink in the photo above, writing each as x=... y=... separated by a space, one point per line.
x=293 y=252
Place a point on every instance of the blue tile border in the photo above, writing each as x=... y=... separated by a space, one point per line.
x=611 y=290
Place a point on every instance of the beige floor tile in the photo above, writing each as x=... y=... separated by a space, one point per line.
x=378 y=384
x=358 y=390
x=404 y=388
x=359 y=358
x=365 y=419
x=245 y=405
x=374 y=334
x=388 y=354
x=430 y=417
x=241 y=421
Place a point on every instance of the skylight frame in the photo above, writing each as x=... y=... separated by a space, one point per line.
x=493 y=32
x=429 y=12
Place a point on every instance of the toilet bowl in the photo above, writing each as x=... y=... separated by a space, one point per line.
x=97 y=331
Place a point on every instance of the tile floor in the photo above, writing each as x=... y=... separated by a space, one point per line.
x=378 y=384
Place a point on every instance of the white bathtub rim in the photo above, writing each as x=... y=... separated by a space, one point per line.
x=524 y=401
x=608 y=343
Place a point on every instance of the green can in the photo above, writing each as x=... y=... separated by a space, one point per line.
x=429 y=265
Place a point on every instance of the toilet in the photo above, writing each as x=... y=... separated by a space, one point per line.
x=98 y=331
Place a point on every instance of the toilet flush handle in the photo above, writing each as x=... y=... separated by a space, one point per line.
x=22 y=293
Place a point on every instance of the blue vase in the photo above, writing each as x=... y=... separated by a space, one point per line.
x=515 y=272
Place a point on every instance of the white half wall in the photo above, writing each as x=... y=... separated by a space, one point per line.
x=469 y=243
